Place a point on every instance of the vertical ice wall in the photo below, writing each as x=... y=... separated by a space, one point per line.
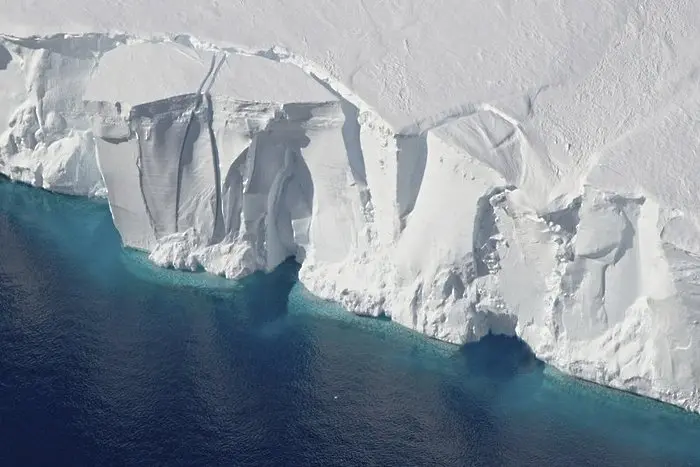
x=46 y=139
x=224 y=183
x=455 y=227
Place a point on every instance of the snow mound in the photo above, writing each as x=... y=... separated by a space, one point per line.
x=553 y=214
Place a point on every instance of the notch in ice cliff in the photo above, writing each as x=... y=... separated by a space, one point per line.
x=459 y=225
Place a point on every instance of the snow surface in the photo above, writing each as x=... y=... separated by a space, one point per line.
x=519 y=167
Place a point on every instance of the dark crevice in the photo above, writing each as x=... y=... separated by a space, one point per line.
x=219 y=230
x=139 y=158
x=412 y=157
x=186 y=149
x=114 y=140
x=351 y=134
x=232 y=211
x=212 y=64
x=214 y=74
x=251 y=159
x=5 y=57
x=567 y=218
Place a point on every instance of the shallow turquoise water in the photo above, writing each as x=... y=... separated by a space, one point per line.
x=107 y=360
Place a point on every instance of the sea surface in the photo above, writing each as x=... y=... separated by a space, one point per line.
x=107 y=360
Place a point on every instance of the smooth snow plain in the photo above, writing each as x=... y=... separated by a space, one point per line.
x=525 y=168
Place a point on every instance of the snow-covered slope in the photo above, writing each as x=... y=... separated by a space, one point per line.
x=523 y=167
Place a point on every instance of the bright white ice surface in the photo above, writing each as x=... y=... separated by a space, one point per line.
x=523 y=168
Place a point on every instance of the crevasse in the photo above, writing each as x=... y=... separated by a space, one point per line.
x=458 y=226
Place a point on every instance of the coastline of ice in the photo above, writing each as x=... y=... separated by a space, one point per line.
x=455 y=226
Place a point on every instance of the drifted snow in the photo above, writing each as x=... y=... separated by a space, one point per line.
x=521 y=168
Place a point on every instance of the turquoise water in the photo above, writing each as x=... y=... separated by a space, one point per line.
x=107 y=360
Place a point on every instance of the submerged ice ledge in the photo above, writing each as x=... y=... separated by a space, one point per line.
x=457 y=226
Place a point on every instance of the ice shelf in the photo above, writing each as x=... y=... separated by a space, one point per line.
x=530 y=173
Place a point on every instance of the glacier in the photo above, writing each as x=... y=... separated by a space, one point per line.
x=524 y=169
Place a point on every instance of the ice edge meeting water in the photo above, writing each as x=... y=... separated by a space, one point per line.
x=112 y=359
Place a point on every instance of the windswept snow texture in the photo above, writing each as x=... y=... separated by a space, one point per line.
x=523 y=168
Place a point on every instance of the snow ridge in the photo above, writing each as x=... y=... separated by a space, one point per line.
x=458 y=225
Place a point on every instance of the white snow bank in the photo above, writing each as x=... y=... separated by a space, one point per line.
x=556 y=200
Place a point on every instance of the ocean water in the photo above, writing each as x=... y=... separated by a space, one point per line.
x=106 y=360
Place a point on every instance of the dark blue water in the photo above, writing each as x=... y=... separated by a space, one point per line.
x=105 y=360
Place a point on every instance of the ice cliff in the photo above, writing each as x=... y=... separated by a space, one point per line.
x=562 y=210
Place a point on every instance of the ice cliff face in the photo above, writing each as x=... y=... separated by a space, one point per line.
x=459 y=225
